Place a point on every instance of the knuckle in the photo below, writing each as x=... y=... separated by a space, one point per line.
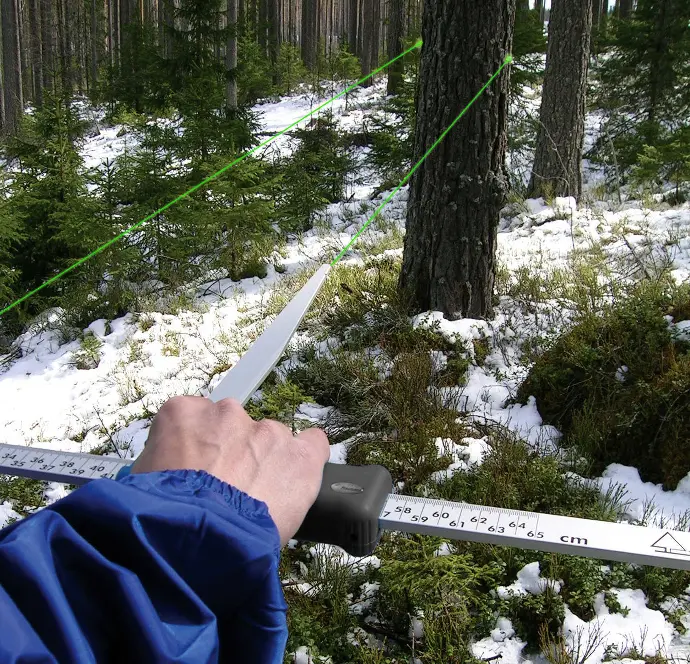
x=272 y=430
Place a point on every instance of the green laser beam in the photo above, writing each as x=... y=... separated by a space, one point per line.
x=507 y=61
x=109 y=243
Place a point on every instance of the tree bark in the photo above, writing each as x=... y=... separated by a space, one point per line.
x=11 y=61
x=36 y=52
x=457 y=193
x=558 y=157
x=263 y=25
x=47 y=44
x=353 y=17
x=369 y=37
x=274 y=37
x=95 y=40
x=231 y=57
x=310 y=9
x=396 y=20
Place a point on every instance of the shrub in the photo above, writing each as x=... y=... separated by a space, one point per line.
x=89 y=356
x=618 y=386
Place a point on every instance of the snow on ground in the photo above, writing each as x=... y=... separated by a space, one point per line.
x=47 y=402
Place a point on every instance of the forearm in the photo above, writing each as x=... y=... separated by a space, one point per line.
x=158 y=567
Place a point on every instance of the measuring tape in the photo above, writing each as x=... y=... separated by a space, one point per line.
x=356 y=503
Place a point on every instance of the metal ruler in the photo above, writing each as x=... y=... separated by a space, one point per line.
x=356 y=503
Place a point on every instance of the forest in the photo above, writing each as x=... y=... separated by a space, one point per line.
x=507 y=323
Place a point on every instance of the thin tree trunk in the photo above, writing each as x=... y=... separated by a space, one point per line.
x=11 y=61
x=47 y=44
x=457 y=194
x=558 y=157
x=263 y=26
x=367 y=31
x=95 y=39
x=36 y=52
x=274 y=37
x=231 y=57
x=396 y=19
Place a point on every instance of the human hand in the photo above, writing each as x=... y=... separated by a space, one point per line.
x=263 y=459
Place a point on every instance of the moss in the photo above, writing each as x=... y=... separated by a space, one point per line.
x=637 y=417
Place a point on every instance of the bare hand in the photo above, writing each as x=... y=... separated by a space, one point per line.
x=263 y=459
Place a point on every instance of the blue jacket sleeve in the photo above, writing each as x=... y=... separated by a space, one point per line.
x=174 y=566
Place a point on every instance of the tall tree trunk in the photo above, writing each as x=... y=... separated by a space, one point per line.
x=47 y=44
x=274 y=37
x=353 y=17
x=11 y=66
x=558 y=157
x=457 y=193
x=95 y=40
x=625 y=9
x=367 y=32
x=396 y=19
x=36 y=52
x=231 y=57
x=263 y=26
x=310 y=9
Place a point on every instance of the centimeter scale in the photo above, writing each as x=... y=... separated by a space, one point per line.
x=356 y=503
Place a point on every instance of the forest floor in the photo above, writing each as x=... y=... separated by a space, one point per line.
x=147 y=357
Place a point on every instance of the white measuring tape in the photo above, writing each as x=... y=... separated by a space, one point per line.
x=355 y=502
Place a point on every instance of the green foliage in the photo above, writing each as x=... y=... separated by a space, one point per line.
x=392 y=140
x=338 y=64
x=11 y=235
x=89 y=354
x=637 y=416
x=24 y=495
x=236 y=215
x=645 y=81
x=254 y=79
x=532 y=615
x=279 y=401
x=669 y=161
x=515 y=477
x=49 y=209
x=137 y=81
x=291 y=69
x=529 y=45
x=451 y=591
x=315 y=175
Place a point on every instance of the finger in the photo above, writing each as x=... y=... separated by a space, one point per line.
x=315 y=442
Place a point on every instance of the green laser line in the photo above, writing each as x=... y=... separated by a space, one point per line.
x=103 y=247
x=507 y=61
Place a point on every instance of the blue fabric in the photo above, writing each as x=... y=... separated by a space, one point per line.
x=157 y=567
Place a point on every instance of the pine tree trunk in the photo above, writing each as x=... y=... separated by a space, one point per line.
x=231 y=58
x=36 y=52
x=263 y=26
x=95 y=41
x=353 y=16
x=367 y=32
x=626 y=9
x=310 y=9
x=47 y=44
x=457 y=193
x=274 y=37
x=396 y=19
x=11 y=61
x=558 y=157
